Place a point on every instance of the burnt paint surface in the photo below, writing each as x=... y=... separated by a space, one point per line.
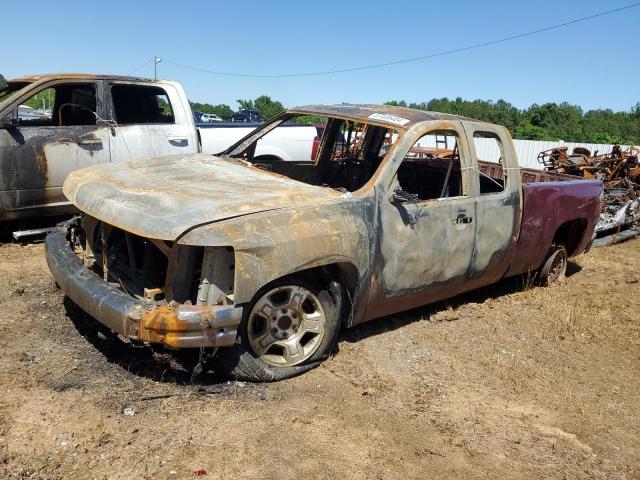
x=362 y=113
x=165 y=197
x=435 y=257
x=273 y=244
x=278 y=226
x=35 y=160
x=547 y=205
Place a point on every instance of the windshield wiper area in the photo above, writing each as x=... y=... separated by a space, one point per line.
x=243 y=162
x=264 y=166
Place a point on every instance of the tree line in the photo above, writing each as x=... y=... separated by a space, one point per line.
x=549 y=121
x=267 y=107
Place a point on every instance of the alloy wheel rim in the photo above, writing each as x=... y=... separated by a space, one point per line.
x=286 y=325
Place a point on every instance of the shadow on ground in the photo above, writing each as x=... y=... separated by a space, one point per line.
x=138 y=359
x=182 y=367
x=504 y=287
x=7 y=228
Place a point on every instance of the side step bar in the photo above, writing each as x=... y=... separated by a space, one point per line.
x=36 y=232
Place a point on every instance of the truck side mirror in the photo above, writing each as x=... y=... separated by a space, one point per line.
x=10 y=121
x=402 y=196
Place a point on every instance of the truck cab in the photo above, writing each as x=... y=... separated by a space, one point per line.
x=51 y=125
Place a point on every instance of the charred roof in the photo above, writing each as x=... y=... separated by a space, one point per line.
x=398 y=117
x=77 y=76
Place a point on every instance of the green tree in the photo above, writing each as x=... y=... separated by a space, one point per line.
x=3 y=81
x=268 y=108
x=396 y=103
x=222 y=110
x=562 y=121
x=246 y=104
x=550 y=121
x=526 y=131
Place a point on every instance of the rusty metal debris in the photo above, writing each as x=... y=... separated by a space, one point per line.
x=619 y=170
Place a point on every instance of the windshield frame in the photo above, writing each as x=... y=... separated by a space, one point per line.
x=255 y=135
x=235 y=151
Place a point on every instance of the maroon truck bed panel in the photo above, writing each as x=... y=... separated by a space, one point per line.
x=549 y=201
x=546 y=206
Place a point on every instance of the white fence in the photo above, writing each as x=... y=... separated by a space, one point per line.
x=528 y=150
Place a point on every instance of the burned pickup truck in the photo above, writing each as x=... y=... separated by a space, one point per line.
x=268 y=258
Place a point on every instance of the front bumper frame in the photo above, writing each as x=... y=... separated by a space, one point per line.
x=181 y=326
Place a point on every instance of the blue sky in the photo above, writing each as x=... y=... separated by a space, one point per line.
x=595 y=64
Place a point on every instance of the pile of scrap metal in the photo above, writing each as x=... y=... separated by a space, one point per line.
x=620 y=172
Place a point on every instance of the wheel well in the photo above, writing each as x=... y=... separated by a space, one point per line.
x=570 y=234
x=345 y=273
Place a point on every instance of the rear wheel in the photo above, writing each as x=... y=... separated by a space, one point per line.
x=554 y=268
x=290 y=327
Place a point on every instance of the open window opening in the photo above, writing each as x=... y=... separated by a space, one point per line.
x=431 y=168
x=61 y=105
x=141 y=104
x=339 y=154
x=490 y=156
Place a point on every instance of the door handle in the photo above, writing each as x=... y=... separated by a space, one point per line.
x=90 y=141
x=462 y=219
x=179 y=141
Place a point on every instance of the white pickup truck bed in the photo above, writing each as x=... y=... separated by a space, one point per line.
x=289 y=142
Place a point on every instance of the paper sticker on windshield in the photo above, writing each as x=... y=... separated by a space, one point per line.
x=385 y=117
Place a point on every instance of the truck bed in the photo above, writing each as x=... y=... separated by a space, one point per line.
x=527 y=175
x=551 y=201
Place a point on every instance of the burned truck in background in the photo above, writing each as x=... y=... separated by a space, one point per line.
x=79 y=120
x=267 y=259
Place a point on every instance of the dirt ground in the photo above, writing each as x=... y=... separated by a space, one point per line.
x=499 y=383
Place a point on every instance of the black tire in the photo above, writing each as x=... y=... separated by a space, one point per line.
x=242 y=363
x=554 y=267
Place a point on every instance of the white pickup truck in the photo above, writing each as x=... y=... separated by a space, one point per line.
x=92 y=119
x=290 y=144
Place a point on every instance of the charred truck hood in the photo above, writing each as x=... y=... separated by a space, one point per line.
x=164 y=197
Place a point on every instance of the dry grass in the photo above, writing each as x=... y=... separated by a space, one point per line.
x=500 y=383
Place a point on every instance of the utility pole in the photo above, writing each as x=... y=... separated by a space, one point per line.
x=156 y=61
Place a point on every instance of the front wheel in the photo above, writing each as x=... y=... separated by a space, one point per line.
x=289 y=327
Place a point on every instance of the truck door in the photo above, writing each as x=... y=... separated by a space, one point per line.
x=151 y=120
x=56 y=133
x=427 y=222
x=496 y=189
